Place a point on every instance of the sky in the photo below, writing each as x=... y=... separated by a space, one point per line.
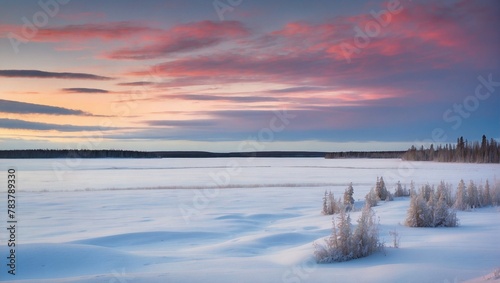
x=247 y=75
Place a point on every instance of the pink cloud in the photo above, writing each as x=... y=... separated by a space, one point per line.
x=183 y=38
x=79 y=33
x=421 y=41
x=108 y=31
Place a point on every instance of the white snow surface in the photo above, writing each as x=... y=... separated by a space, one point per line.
x=231 y=220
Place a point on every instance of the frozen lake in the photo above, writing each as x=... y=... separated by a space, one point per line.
x=102 y=174
x=245 y=220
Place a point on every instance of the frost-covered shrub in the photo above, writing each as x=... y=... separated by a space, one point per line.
x=371 y=198
x=432 y=212
x=330 y=205
x=366 y=235
x=345 y=244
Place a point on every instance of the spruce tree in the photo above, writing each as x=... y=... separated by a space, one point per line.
x=472 y=195
x=461 y=202
x=381 y=189
x=325 y=205
x=486 y=194
x=348 y=197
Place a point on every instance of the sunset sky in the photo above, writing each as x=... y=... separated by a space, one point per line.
x=244 y=75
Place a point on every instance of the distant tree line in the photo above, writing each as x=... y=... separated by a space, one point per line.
x=364 y=154
x=112 y=153
x=486 y=151
x=68 y=153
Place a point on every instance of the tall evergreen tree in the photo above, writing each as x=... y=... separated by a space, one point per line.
x=381 y=189
x=486 y=196
x=461 y=202
x=473 y=195
x=348 y=197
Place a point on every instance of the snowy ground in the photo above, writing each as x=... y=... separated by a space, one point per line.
x=167 y=220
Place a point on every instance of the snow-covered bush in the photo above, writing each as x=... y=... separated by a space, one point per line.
x=330 y=205
x=427 y=211
x=344 y=244
x=371 y=198
x=366 y=235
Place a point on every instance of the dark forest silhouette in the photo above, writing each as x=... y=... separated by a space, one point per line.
x=486 y=151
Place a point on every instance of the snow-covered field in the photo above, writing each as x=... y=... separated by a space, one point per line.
x=230 y=220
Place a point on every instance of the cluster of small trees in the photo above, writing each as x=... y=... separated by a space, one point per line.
x=401 y=191
x=473 y=196
x=486 y=151
x=332 y=206
x=436 y=207
x=379 y=193
x=345 y=243
x=430 y=208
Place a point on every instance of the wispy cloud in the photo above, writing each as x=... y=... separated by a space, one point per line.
x=37 y=126
x=182 y=123
x=140 y=83
x=183 y=38
x=228 y=98
x=50 y=75
x=8 y=106
x=298 y=89
x=81 y=32
x=85 y=90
